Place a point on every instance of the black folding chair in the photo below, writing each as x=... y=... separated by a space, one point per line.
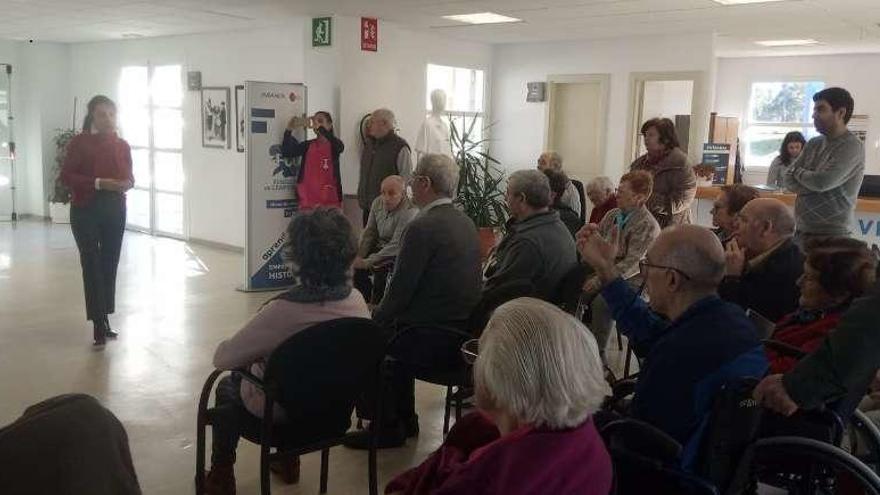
x=315 y=376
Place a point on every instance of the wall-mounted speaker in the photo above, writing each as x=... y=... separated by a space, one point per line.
x=536 y=91
x=194 y=80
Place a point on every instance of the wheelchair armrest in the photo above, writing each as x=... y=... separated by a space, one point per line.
x=632 y=435
x=784 y=349
x=247 y=375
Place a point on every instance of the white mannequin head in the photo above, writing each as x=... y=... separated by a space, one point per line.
x=438 y=101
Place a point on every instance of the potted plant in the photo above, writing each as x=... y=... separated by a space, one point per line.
x=59 y=195
x=480 y=187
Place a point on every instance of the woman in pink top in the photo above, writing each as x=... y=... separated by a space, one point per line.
x=320 y=249
x=538 y=380
x=318 y=182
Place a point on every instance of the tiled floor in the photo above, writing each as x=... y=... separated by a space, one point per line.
x=175 y=303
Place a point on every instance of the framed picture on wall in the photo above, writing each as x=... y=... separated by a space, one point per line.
x=240 y=119
x=215 y=118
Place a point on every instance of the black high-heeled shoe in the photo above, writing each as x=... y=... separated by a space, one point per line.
x=108 y=332
x=99 y=334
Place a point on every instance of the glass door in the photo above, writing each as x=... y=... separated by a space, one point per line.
x=151 y=120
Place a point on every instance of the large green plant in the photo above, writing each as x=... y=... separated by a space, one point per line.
x=59 y=192
x=481 y=179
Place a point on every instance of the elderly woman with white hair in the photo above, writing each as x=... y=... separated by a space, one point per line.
x=551 y=160
x=538 y=381
x=600 y=192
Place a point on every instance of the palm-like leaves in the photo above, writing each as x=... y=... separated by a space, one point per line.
x=480 y=194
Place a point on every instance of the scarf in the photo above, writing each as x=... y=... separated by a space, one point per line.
x=310 y=294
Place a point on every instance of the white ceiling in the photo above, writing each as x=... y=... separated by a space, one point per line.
x=840 y=25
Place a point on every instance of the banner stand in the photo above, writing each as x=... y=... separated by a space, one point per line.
x=271 y=181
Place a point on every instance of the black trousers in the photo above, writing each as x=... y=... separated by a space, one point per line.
x=227 y=419
x=98 y=229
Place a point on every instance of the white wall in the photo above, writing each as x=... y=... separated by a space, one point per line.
x=857 y=73
x=519 y=133
x=215 y=179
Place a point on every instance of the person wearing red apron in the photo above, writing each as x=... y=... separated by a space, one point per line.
x=318 y=182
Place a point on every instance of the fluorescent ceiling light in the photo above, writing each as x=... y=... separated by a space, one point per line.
x=743 y=2
x=787 y=42
x=482 y=18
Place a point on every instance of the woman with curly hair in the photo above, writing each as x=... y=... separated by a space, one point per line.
x=320 y=249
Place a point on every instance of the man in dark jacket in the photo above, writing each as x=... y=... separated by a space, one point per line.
x=537 y=247
x=763 y=262
x=845 y=363
x=385 y=153
x=691 y=341
x=434 y=287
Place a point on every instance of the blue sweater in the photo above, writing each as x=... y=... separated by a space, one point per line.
x=684 y=361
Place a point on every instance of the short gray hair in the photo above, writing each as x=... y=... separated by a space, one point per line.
x=540 y=365
x=697 y=252
x=384 y=115
x=533 y=184
x=600 y=184
x=442 y=171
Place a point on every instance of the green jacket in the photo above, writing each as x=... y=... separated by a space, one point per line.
x=848 y=359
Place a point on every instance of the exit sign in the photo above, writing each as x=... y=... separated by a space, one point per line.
x=369 y=34
x=322 y=31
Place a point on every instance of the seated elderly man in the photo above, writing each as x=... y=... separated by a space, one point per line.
x=538 y=381
x=691 y=340
x=390 y=213
x=571 y=197
x=600 y=192
x=538 y=247
x=436 y=283
x=763 y=263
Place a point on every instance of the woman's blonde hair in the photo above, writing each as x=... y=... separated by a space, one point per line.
x=540 y=365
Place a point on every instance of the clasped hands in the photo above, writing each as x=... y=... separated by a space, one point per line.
x=598 y=252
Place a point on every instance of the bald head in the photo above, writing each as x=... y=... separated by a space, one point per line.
x=695 y=251
x=393 y=190
x=762 y=224
x=773 y=211
x=551 y=160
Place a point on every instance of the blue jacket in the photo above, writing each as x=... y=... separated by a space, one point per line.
x=684 y=361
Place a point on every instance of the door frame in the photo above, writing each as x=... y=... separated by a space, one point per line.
x=604 y=81
x=699 y=109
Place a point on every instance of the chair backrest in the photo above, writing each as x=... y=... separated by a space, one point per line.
x=764 y=326
x=320 y=372
x=568 y=293
x=582 y=194
x=496 y=297
x=733 y=426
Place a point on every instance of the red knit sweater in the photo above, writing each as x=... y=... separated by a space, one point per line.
x=805 y=336
x=94 y=156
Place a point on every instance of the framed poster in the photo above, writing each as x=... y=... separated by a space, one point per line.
x=215 y=118
x=240 y=119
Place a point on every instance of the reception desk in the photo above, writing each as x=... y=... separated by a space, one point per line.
x=866 y=226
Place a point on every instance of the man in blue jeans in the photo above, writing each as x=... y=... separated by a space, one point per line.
x=691 y=341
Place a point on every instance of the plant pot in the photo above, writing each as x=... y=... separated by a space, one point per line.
x=59 y=212
x=487 y=241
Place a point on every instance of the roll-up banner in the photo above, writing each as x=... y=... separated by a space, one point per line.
x=271 y=180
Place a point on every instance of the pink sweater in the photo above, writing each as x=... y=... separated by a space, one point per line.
x=268 y=329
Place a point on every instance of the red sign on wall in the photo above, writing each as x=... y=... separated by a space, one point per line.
x=369 y=34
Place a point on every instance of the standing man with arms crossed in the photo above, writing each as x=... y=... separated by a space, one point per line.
x=828 y=174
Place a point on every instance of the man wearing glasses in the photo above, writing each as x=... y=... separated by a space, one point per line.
x=689 y=340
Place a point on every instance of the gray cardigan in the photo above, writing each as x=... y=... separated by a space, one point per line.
x=381 y=237
x=437 y=275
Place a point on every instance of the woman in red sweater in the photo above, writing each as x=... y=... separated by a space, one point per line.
x=836 y=271
x=97 y=169
x=319 y=182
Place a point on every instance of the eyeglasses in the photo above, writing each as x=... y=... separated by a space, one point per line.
x=644 y=265
x=470 y=350
x=417 y=177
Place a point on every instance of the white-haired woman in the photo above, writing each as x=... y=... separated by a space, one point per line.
x=600 y=191
x=538 y=380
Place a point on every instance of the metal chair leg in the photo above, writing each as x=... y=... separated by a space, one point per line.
x=619 y=339
x=447 y=409
x=325 y=466
x=201 y=429
x=265 y=485
x=629 y=355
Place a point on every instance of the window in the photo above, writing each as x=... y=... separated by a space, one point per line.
x=151 y=120
x=775 y=109
x=464 y=96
